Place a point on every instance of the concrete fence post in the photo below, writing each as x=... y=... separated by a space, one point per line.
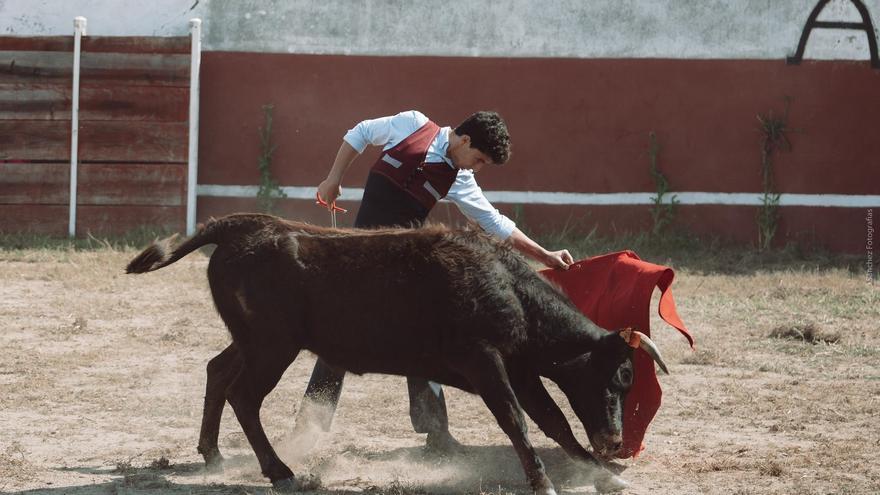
x=79 y=30
x=193 y=160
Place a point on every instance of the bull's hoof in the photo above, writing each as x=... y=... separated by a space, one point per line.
x=287 y=485
x=609 y=483
x=214 y=462
x=546 y=491
x=214 y=466
x=443 y=444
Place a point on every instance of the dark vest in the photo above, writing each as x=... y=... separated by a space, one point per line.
x=404 y=164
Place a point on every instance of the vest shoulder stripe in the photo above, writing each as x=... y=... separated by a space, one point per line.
x=391 y=161
x=433 y=191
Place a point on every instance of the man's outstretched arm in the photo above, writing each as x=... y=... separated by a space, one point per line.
x=552 y=259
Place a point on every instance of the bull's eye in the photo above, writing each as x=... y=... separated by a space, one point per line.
x=626 y=376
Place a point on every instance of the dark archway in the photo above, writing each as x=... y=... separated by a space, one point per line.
x=812 y=23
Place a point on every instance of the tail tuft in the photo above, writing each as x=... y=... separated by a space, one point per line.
x=151 y=258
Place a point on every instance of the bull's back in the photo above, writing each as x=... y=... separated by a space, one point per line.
x=384 y=303
x=390 y=303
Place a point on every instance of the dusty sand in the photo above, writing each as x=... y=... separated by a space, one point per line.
x=102 y=376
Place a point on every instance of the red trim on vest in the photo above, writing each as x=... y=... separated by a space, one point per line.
x=405 y=165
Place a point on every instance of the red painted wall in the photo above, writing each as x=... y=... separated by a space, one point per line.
x=578 y=125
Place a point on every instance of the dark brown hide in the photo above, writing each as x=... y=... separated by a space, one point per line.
x=458 y=308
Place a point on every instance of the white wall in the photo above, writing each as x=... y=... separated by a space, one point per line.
x=757 y=29
x=105 y=17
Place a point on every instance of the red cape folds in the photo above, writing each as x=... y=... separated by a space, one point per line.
x=614 y=291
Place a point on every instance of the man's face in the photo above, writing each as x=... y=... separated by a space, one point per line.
x=468 y=158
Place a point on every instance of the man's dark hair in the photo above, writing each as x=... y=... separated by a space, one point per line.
x=488 y=134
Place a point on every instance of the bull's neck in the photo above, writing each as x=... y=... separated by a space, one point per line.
x=568 y=336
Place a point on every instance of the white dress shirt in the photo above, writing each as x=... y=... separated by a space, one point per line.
x=464 y=192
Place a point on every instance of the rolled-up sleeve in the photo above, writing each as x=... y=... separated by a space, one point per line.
x=469 y=198
x=384 y=131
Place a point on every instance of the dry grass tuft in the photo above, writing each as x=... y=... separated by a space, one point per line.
x=723 y=464
x=161 y=463
x=787 y=426
x=397 y=487
x=808 y=332
x=500 y=491
x=145 y=481
x=14 y=466
x=309 y=482
x=702 y=357
x=771 y=468
x=123 y=467
x=728 y=464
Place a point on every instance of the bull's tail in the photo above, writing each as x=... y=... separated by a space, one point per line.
x=160 y=253
x=216 y=231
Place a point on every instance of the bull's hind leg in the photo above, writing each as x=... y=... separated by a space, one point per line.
x=222 y=369
x=486 y=372
x=257 y=377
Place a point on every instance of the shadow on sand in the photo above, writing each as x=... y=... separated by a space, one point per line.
x=404 y=471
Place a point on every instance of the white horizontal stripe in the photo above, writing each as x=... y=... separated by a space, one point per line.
x=567 y=198
x=292 y=192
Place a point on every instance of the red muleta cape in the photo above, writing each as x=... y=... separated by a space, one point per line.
x=614 y=291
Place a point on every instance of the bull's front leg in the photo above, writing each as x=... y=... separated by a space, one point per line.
x=538 y=404
x=485 y=370
x=222 y=369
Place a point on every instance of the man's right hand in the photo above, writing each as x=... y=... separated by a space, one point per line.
x=558 y=259
x=329 y=190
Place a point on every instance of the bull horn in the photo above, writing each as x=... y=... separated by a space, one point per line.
x=650 y=347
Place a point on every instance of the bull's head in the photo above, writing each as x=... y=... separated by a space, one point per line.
x=597 y=383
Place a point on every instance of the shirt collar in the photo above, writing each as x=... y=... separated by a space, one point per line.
x=443 y=145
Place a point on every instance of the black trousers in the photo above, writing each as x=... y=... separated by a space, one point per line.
x=384 y=205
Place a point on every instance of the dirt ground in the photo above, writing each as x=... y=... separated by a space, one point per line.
x=102 y=376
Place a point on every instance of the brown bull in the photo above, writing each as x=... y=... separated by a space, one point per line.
x=458 y=308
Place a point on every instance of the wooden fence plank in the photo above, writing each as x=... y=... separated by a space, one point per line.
x=37 y=43
x=34 y=183
x=41 y=140
x=138 y=44
x=137 y=142
x=98 y=220
x=34 y=219
x=98 y=184
x=138 y=68
x=34 y=102
x=97 y=102
x=120 y=44
x=134 y=103
x=132 y=184
x=107 y=141
x=116 y=220
x=24 y=65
